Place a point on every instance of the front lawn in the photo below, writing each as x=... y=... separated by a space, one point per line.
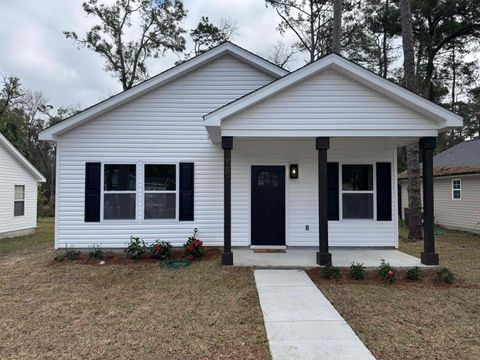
x=419 y=321
x=71 y=310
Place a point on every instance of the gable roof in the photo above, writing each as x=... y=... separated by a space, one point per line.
x=167 y=76
x=21 y=159
x=461 y=159
x=442 y=116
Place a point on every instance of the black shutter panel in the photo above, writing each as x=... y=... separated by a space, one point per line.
x=186 y=191
x=333 y=198
x=92 y=192
x=384 y=191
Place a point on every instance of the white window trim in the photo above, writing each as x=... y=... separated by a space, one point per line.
x=341 y=191
x=176 y=191
x=102 y=190
x=460 y=189
x=15 y=200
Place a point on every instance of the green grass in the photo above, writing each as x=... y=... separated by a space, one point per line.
x=43 y=237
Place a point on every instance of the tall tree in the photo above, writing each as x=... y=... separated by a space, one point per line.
x=413 y=166
x=280 y=54
x=206 y=35
x=337 y=26
x=309 y=20
x=159 y=29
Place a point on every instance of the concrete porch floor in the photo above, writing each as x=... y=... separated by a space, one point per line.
x=306 y=257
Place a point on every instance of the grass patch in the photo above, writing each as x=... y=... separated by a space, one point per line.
x=43 y=236
x=141 y=310
x=418 y=319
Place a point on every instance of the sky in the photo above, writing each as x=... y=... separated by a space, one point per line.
x=33 y=47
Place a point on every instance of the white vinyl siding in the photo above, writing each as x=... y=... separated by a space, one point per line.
x=163 y=126
x=327 y=104
x=13 y=173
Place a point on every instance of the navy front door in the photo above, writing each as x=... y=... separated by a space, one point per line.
x=268 y=205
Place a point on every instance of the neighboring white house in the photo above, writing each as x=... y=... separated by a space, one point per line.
x=18 y=192
x=457 y=187
x=151 y=161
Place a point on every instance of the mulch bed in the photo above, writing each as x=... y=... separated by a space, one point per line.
x=119 y=258
x=428 y=279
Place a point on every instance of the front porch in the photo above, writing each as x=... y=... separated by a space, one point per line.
x=341 y=257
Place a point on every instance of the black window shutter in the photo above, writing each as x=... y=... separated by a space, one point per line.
x=333 y=196
x=186 y=191
x=384 y=191
x=92 y=192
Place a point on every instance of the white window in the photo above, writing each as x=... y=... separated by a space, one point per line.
x=457 y=189
x=357 y=191
x=19 y=201
x=160 y=187
x=119 y=191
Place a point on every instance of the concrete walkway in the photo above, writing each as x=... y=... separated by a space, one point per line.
x=306 y=257
x=301 y=323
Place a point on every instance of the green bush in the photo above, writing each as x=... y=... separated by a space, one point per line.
x=96 y=253
x=445 y=275
x=136 y=248
x=386 y=272
x=358 y=271
x=193 y=248
x=68 y=254
x=330 y=272
x=414 y=273
x=161 y=250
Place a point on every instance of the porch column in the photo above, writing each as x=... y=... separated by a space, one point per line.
x=428 y=256
x=227 y=146
x=323 y=256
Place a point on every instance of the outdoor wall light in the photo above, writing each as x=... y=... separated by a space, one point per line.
x=293 y=171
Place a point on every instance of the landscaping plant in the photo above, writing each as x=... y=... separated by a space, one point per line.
x=193 y=248
x=414 y=273
x=358 y=271
x=69 y=254
x=136 y=248
x=96 y=253
x=386 y=272
x=330 y=272
x=445 y=275
x=160 y=250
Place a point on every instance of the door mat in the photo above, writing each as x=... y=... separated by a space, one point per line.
x=267 y=251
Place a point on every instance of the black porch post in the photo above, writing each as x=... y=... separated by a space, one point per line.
x=428 y=256
x=323 y=256
x=227 y=145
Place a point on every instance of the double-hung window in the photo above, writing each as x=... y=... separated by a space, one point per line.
x=119 y=191
x=160 y=191
x=357 y=191
x=19 y=201
x=457 y=189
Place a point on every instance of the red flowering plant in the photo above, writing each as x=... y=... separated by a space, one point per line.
x=386 y=272
x=160 y=250
x=193 y=248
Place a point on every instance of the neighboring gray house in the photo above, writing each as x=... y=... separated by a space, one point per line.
x=244 y=151
x=456 y=187
x=18 y=192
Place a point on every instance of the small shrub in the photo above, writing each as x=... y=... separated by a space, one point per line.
x=68 y=254
x=386 y=272
x=136 y=248
x=161 y=250
x=445 y=275
x=358 y=271
x=414 y=273
x=96 y=253
x=330 y=272
x=193 y=248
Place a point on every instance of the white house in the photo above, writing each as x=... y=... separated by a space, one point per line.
x=18 y=192
x=244 y=151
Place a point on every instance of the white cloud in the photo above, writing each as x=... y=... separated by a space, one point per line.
x=34 y=48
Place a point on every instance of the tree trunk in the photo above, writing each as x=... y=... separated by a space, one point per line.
x=384 y=43
x=337 y=26
x=413 y=166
